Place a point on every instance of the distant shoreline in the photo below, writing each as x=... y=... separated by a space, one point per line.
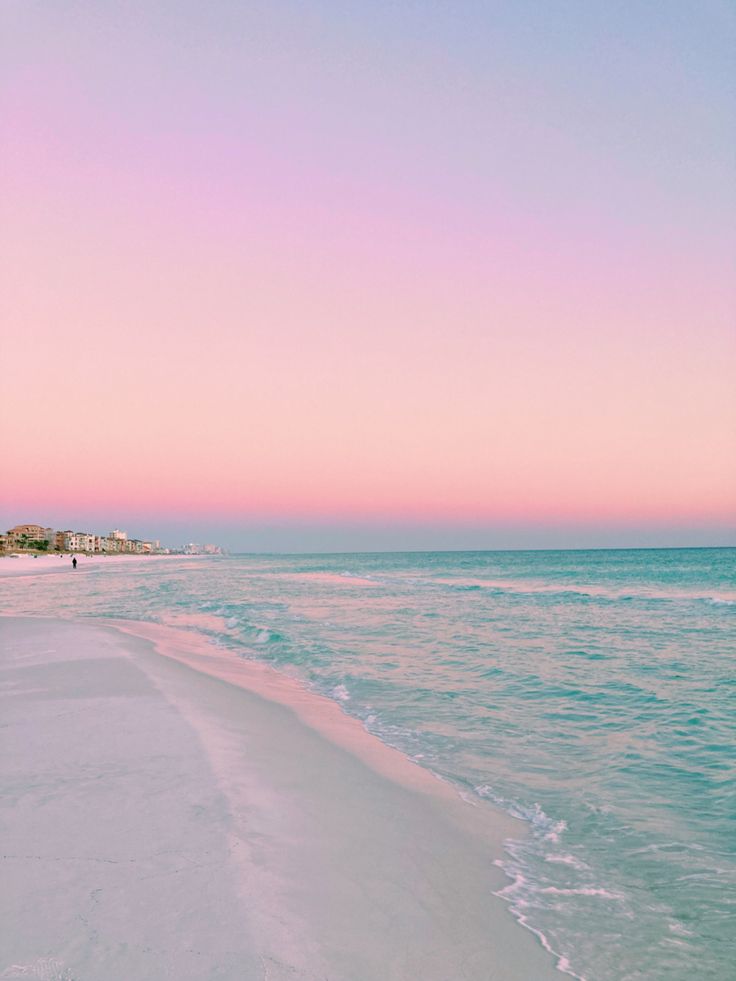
x=58 y=563
x=40 y=554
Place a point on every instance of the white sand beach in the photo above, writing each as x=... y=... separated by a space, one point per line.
x=37 y=565
x=170 y=811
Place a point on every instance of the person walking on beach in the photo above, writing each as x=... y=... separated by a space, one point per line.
x=74 y=562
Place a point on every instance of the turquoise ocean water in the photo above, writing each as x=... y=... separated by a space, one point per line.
x=591 y=693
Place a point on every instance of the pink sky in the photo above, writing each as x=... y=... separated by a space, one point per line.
x=296 y=283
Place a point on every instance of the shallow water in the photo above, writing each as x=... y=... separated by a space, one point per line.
x=590 y=693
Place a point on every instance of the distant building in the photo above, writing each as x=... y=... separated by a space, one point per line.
x=193 y=548
x=77 y=541
x=60 y=540
x=33 y=537
x=69 y=541
x=29 y=536
x=24 y=533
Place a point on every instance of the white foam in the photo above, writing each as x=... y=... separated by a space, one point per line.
x=44 y=969
x=582 y=891
x=516 y=905
x=567 y=860
x=543 y=825
x=680 y=930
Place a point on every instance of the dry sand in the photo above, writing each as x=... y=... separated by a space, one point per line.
x=161 y=818
x=38 y=565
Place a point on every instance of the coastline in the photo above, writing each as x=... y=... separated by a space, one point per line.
x=219 y=820
x=58 y=563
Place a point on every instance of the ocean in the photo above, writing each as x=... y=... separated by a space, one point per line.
x=590 y=693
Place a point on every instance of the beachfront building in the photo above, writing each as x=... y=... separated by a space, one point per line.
x=33 y=532
x=78 y=541
x=24 y=533
x=35 y=537
x=67 y=539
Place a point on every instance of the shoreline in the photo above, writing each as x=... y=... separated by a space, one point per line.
x=346 y=859
x=60 y=562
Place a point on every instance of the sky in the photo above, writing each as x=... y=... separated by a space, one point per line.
x=353 y=275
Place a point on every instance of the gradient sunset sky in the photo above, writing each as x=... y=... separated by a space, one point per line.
x=370 y=275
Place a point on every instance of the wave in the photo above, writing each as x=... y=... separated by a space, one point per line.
x=529 y=891
x=530 y=587
x=514 y=894
x=592 y=592
x=545 y=826
x=515 y=587
x=567 y=860
x=582 y=891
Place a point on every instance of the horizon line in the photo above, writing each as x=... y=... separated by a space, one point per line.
x=564 y=548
